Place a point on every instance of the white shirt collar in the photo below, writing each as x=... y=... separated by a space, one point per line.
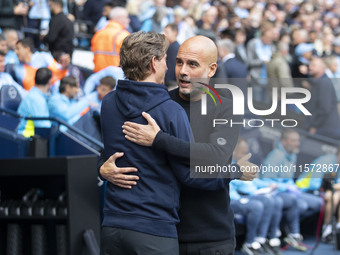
x=227 y=57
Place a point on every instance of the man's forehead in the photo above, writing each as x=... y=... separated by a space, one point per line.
x=190 y=54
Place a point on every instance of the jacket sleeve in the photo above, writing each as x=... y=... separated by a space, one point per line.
x=100 y=162
x=211 y=152
x=66 y=112
x=180 y=128
x=53 y=32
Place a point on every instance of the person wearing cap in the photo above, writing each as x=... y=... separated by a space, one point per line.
x=303 y=53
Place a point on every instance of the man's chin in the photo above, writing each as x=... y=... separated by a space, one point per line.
x=185 y=91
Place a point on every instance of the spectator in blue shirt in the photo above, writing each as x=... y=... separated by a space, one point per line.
x=62 y=105
x=12 y=38
x=283 y=158
x=93 y=80
x=6 y=78
x=35 y=104
x=311 y=180
x=106 y=84
x=247 y=199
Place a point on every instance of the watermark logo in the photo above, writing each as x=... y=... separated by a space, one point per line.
x=239 y=100
x=204 y=98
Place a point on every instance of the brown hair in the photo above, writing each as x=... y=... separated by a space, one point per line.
x=173 y=27
x=137 y=51
x=108 y=81
x=265 y=26
x=67 y=80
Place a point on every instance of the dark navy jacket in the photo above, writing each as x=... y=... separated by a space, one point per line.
x=151 y=206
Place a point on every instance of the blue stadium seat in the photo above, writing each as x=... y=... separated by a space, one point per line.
x=9 y=97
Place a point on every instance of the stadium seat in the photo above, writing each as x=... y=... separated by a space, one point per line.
x=9 y=97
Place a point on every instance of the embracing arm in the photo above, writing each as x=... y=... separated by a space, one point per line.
x=107 y=170
x=151 y=135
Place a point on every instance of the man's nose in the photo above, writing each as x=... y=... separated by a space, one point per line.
x=183 y=70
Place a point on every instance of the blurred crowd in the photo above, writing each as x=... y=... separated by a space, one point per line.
x=262 y=44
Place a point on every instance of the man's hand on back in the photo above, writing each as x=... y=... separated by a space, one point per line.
x=141 y=134
x=118 y=175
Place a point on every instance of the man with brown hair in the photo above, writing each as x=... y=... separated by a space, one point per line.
x=63 y=105
x=106 y=84
x=143 y=220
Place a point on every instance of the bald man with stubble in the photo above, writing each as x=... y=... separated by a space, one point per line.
x=206 y=218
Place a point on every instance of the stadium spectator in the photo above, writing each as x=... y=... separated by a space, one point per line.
x=186 y=5
x=148 y=9
x=252 y=211
x=60 y=33
x=249 y=200
x=104 y=19
x=327 y=44
x=93 y=80
x=133 y=8
x=93 y=10
x=240 y=50
x=64 y=59
x=63 y=105
x=312 y=180
x=170 y=32
x=6 y=79
x=285 y=156
x=234 y=69
x=179 y=14
x=259 y=53
x=12 y=13
x=278 y=71
x=106 y=42
x=325 y=118
x=39 y=16
x=155 y=23
x=207 y=23
x=336 y=52
x=3 y=44
x=35 y=103
x=301 y=59
x=24 y=72
x=11 y=37
x=331 y=72
x=186 y=29
x=106 y=85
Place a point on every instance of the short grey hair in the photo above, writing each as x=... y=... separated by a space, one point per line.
x=227 y=44
x=282 y=46
x=117 y=12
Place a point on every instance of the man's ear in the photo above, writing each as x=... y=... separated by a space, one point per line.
x=212 y=69
x=153 y=64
